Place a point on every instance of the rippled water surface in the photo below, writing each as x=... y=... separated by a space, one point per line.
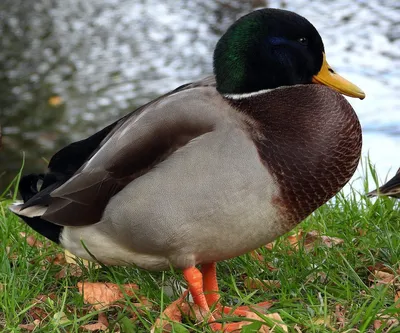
x=70 y=67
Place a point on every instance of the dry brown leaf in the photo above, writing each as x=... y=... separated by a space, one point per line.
x=37 y=312
x=95 y=327
x=102 y=295
x=297 y=328
x=340 y=314
x=361 y=232
x=310 y=238
x=331 y=241
x=101 y=325
x=257 y=256
x=58 y=259
x=381 y=277
x=30 y=327
x=264 y=328
x=380 y=267
x=172 y=312
x=252 y=283
x=269 y=246
x=387 y=322
x=397 y=298
x=73 y=259
x=377 y=324
x=31 y=240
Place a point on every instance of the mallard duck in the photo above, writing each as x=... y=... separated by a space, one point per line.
x=390 y=188
x=213 y=169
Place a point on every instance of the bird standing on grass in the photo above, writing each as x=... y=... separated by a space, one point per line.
x=213 y=169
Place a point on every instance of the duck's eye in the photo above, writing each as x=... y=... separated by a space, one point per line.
x=303 y=41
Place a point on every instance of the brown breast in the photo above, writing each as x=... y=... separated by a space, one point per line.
x=309 y=137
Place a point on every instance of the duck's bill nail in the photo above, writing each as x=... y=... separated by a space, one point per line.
x=328 y=77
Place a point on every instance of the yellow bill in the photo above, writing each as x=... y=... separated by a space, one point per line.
x=328 y=77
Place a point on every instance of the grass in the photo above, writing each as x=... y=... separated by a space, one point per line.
x=314 y=284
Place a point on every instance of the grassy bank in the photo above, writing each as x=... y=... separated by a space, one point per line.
x=320 y=284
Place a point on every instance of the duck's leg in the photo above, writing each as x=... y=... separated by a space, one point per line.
x=204 y=290
x=210 y=283
x=211 y=291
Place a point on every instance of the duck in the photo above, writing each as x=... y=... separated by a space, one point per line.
x=391 y=188
x=211 y=170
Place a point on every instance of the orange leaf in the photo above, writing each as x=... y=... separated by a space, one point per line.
x=377 y=324
x=95 y=327
x=30 y=327
x=269 y=246
x=31 y=240
x=101 y=325
x=340 y=316
x=102 y=295
x=58 y=259
x=171 y=313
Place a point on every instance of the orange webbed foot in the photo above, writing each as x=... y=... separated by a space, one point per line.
x=203 y=287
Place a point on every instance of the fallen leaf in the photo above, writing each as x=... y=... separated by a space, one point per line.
x=377 y=324
x=255 y=255
x=73 y=259
x=381 y=277
x=397 y=298
x=331 y=241
x=102 y=295
x=380 y=267
x=340 y=316
x=297 y=328
x=55 y=101
x=58 y=259
x=30 y=327
x=269 y=246
x=387 y=322
x=101 y=325
x=361 y=232
x=264 y=328
x=95 y=327
x=172 y=312
x=310 y=238
x=253 y=283
x=37 y=313
x=31 y=240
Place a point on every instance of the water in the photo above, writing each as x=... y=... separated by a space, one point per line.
x=70 y=67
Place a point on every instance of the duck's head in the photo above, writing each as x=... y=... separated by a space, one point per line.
x=271 y=48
